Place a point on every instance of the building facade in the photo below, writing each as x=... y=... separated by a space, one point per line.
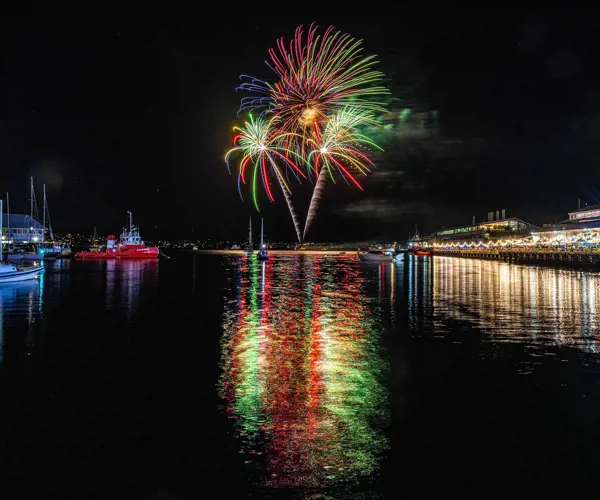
x=582 y=228
x=500 y=232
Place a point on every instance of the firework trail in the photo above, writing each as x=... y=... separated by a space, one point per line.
x=339 y=149
x=288 y=199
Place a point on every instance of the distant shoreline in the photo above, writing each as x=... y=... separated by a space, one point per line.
x=279 y=252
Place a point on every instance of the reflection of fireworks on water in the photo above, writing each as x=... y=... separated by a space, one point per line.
x=301 y=373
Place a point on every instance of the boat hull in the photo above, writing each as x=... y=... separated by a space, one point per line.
x=422 y=253
x=129 y=254
x=20 y=275
x=382 y=256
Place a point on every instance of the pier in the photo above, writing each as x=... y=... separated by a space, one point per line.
x=549 y=256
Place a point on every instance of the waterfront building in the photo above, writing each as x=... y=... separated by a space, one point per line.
x=582 y=228
x=503 y=231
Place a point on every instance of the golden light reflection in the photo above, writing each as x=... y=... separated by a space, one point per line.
x=519 y=303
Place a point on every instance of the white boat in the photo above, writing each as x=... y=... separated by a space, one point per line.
x=377 y=256
x=10 y=273
x=382 y=255
x=263 y=252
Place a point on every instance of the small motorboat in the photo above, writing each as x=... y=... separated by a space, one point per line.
x=381 y=254
x=10 y=273
x=377 y=256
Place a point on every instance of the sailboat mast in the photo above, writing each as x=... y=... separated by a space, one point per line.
x=250 y=234
x=31 y=210
x=7 y=215
x=44 y=216
x=1 y=236
x=261 y=233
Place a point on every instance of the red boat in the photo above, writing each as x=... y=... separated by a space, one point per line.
x=130 y=246
x=426 y=253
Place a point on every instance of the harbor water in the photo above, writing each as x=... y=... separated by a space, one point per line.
x=306 y=376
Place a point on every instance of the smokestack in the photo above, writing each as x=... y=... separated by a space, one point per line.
x=473 y=220
x=578 y=203
x=489 y=216
x=503 y=213
x=497 y=214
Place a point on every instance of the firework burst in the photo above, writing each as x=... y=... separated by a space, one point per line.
x=317 y=76
x=262 y=152
x=326 y=90
x=342 y=149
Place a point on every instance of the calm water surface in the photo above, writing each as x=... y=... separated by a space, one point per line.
x=303 y=377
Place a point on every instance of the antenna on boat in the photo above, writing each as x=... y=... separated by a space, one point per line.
x=31 y=212
x=44 y=216
x=1 y=235
x=7 y=216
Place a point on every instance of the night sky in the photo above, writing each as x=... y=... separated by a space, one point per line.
x=137 y=115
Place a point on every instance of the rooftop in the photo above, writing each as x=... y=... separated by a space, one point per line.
x=586 y=209
x=569 y=225
x=20 y=221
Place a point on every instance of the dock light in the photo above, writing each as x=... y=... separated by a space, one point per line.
x=31 y=228
x=35 y=238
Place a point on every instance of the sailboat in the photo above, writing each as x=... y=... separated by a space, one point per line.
x=250 y=249
x=263 y=252
x=31 y=251
x=50 y=249
x=10 y=273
